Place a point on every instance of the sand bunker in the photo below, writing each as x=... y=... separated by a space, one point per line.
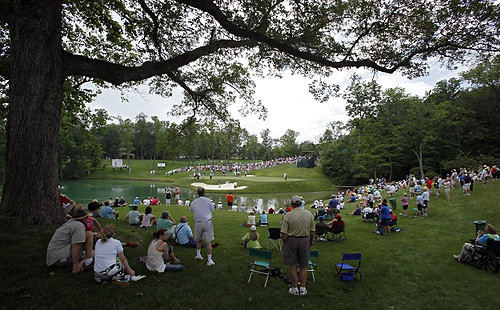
x=222 y=187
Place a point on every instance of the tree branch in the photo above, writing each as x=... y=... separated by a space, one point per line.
x=209 y=7
x=118 y=74
x=156 y=25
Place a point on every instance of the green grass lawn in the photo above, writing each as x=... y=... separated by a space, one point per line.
x=269 y=180
x=413 y=269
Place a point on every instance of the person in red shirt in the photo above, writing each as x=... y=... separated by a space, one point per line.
x=428 y=183
x=229 y=199
x=337 y=224
x=66 y=203
x=155 y=201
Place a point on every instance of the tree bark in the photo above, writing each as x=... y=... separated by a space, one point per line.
x=31 y=180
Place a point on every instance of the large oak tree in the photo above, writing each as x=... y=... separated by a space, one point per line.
x=208 y=48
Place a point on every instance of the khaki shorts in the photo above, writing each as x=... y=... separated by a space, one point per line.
x=296 y=252
x=204 y=231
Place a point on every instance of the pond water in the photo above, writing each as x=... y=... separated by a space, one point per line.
x=84 y=191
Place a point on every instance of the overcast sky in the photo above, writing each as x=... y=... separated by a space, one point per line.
x=289 y=104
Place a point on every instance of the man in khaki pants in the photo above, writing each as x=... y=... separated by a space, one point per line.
x=297 y=232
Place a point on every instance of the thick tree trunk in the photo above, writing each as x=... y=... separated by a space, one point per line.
x=31 y=172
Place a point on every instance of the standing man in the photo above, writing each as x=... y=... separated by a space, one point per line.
x=297 y=232
x=168 y=196
x=202 y=208
x=229 y=199
x=333 y=203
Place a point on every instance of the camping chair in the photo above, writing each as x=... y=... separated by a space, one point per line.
x=486 y=257
x=259 y=261
x=313 y=262
x=274 y=238
x=338 y=234
x=321 y=233
x=345 y=271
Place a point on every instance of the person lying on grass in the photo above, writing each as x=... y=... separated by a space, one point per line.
x=159 y=251
x=106 y=269
x=251 y=239
x=489 y=233
x=64 y=248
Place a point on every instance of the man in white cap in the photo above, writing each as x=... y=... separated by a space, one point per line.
x=202 y=208
x=297 y=232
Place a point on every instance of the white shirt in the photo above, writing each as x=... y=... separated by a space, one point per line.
x=425 y=195
x=105 y=253
x=202 y=209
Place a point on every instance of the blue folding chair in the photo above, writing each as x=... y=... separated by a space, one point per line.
x=347 y=272
x=259 y=261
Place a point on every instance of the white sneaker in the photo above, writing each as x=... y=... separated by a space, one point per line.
x=198 y=257
x=210 y=263
x=303 y=291
x=294 y=291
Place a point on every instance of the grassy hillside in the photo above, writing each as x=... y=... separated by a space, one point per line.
x=269 y=180
x=413 y=269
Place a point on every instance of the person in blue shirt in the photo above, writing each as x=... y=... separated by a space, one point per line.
x=385 y=217
x=137 y=201
x=333 y=203
x=490 y=232
x=108 y=212
x=263 y=219
x=184 y=235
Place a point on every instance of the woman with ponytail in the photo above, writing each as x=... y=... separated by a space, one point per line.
x=106 y=269
x=159 y=250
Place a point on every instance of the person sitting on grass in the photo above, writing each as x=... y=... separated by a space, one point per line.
x=137 y=201
x=134 y=217
x=106 y=269
x=263 y=219
x=159 y=251
x=64 y=248
x=155 y=201
x=108 y=212
x=66 y=202
x=271 y=210
x=183 y=234
x=148 y=218
x=122 y=202
x=251 y=219
x=93 y=207
x=394 y=219
x=321 y=212
x=337 y=225
x=251 y=239
x=490 y=232
x=166 y=222
x=357 y=211
x=367 y=212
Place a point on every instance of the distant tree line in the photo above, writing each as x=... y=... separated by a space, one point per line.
x=392 y=134
x=86 y=137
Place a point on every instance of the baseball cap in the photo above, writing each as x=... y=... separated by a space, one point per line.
x=296 y=199
x=253 y=228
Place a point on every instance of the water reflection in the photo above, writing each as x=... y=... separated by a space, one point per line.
x=84 y=191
